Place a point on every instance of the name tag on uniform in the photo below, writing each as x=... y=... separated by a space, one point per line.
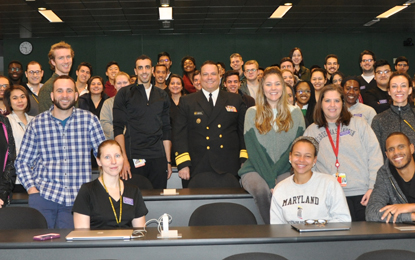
x=346 y=132
x=198 y=113
x=128 y=201
x=231 y=109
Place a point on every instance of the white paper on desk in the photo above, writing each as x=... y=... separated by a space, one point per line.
x=406 y=228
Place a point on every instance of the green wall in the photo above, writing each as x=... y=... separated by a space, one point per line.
x=265 y=48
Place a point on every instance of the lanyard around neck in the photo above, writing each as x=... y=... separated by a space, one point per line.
x=112 y=205
x=335 y=148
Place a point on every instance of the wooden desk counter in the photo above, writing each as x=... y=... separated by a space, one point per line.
x=215 y=242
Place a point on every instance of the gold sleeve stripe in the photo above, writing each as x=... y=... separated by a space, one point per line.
x=242 y=154
x=184 y=157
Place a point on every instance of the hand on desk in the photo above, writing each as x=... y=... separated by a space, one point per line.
x=396 y=209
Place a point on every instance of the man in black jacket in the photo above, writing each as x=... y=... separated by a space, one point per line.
x=144 y=110
x=208 y=131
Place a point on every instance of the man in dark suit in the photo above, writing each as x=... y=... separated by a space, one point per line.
x=208 y=131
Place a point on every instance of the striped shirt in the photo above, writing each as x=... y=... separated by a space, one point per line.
x=56 y=159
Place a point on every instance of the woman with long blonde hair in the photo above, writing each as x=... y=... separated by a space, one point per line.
x=270 y=128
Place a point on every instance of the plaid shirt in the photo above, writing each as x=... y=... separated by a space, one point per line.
x=56 y=159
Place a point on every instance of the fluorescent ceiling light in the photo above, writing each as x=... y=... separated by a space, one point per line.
x=166 y=13
x=370 y=23
x=281 y=11
x=392 y=11
x=50 y=15
x=165 y=3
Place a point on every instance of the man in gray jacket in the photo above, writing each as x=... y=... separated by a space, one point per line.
x=393 y=197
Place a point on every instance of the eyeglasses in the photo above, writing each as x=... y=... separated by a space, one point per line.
x=315 y=221
x=368 y=60
x=4 y=85
x=250 y=70
x=15 y=69
x=303 y=91
x=33 y=72
x=382 y=72
x=166 y=60
x=402 y=65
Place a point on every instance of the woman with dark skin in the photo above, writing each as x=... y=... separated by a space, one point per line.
x=189 y=66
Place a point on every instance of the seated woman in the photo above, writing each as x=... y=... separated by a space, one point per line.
x=93 y=100
x=306 y=194
x=108 y=202
x=270 y=128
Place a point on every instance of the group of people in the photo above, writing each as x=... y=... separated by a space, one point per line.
x=306 y=143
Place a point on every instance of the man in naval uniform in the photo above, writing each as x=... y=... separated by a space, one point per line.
x=208 y=131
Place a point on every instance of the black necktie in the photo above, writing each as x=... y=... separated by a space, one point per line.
x=210 y=100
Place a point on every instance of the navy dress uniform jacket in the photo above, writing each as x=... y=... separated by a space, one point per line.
x=203 y=136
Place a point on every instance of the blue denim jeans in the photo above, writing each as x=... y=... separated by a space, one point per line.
x=57 y=215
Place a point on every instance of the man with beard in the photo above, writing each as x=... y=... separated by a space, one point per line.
x=351 y=92
x=393 y=197
x=332 y=66
x=144 y=110
x=55 y=155
x=15 y=72
x=60 y=59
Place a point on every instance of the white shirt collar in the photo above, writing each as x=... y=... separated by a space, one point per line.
x=215 y=94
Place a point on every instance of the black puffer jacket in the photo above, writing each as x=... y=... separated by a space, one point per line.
x=8 y=173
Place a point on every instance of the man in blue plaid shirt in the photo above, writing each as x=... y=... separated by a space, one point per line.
x=55 y=155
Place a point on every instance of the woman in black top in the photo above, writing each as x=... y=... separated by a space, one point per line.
x=108 y=202
x=175 y=88
x=93 y=100
x=7 y=157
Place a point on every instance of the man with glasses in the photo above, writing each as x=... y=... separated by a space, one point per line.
x=34 y=75
x=4 y=83
x=402 y=64
x=351 y=92
x=378 y=97
x=15 y=72
x=163 y=58
x=251 y=85
x=367 y=80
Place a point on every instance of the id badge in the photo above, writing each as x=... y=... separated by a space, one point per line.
x=139 y=162
x=341 y=178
